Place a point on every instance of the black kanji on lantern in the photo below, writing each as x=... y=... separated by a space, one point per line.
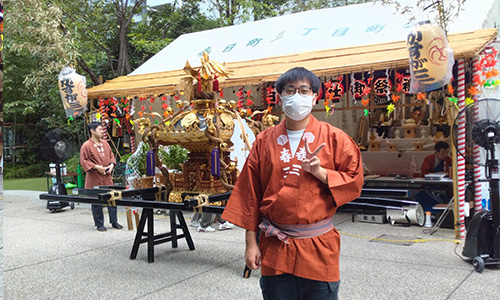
x=336 y=90
x=358 y=88
x=382 y=86
x=414 y=46
x=405 y=84
x=67 y=85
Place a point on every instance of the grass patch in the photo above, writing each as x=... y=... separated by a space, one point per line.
x=27 y=184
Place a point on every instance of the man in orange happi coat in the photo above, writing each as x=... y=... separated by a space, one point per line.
x=290 y=193
x=98 y=161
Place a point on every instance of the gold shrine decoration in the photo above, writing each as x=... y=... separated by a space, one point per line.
x=189 y=120
x=227 y=119
x=211 y=68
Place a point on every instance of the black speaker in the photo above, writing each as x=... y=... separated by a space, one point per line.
x=479 y=239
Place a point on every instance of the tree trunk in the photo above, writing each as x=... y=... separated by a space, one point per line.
x=123 y=21
x=86 y=68
x=123 y=55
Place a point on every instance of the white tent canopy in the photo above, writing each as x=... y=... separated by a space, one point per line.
x=339 y=27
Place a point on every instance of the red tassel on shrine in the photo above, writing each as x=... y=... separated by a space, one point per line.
x=199 y=82
x=216 y=84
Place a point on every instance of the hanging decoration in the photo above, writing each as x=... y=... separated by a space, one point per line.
x=487 y=63
x=382 y=86
x=421 y=97
x=272 y=97
x=72 y=88
x=403 y=82
x=150 y=163
x=365 y=102
x=473 y=91
x=334 y=89
x=390 y=109
x=431 y=59
x=359 y=88
x=451 y=90
x=215 y=162
x=395 y=99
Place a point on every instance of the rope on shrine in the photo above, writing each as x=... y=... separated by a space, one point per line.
x=202 y=201
x=162 y=194
x=115 y=195
x=400 y=241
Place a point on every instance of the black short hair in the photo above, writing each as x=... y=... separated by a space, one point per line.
x=441 y=145
x=298 y=73
x=93 y=126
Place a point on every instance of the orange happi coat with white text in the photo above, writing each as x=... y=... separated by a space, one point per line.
x=273 y=184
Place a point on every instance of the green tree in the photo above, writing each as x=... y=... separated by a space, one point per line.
x=230 y=12
x=303 y=5
x=161 y=26
x=444 y=12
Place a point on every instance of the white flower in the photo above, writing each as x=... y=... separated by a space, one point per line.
x=308 y=136
x=282 y=140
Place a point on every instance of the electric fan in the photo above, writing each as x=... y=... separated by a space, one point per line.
x=480 y=121
x=57 y=146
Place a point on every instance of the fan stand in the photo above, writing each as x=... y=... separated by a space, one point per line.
x=57 y=188
x=482 y=243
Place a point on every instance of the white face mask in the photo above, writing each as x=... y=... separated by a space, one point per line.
x=296 y=106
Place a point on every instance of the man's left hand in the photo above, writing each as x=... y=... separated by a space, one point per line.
x=109 y=169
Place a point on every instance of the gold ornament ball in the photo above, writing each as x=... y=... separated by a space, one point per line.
x=232 y=104
x=224 y=147
x=179 y=103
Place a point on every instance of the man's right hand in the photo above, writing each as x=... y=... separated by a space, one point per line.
x=252 y=251
x=100 y=169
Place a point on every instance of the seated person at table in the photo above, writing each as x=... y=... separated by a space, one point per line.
x=439 y=162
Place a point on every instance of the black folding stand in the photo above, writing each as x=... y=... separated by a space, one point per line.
x=151 y=239
x=146 y=198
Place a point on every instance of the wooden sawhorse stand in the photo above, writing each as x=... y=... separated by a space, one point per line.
x=148 y=237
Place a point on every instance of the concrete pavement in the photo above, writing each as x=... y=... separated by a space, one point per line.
x=61 y=256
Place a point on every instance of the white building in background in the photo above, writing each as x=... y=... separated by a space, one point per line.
x=154 y=5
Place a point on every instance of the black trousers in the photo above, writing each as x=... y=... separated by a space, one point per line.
x=291 y=287
x=99 y=216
